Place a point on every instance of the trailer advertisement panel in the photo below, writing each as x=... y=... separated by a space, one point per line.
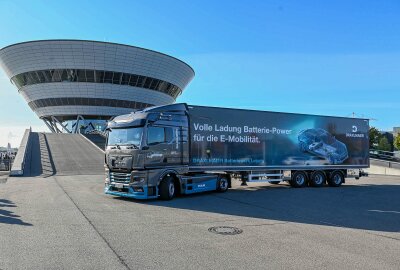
x=234 y=137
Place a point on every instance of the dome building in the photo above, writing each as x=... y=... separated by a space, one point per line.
x=77 y=85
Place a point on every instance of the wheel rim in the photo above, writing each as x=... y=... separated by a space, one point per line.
x=223 y=184
x=337 y=179
x=318 y=179
x=171 y=189
x=300 y=179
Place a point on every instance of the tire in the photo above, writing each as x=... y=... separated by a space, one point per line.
x=299 y=179
x=317 y=179
x=167 y=188
x=222 y=183
x=274 y=182
x=336 y=179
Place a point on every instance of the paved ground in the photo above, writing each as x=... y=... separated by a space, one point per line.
x=66 y=222
x=3 y=176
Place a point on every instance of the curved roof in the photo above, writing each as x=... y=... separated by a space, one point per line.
x=107 y=42
x=95 y=55
x=66 y=78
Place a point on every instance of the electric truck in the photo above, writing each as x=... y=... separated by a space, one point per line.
x=165 y=151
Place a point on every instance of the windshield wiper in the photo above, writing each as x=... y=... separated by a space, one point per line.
x=131 y=144
x=117 y=145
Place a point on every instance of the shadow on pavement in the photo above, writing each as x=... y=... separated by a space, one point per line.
x=367 y=207
x=8 y=217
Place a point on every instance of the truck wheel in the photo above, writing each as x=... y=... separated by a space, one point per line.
x=336 y=179
x=317 y=179
x=222 y=183
x=299 y=179
x=167 y=188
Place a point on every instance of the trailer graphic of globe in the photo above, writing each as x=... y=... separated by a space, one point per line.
x=319 y=142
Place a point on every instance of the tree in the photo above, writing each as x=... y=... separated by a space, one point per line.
x=384 y=144
x=397 y=141
x=374 y=137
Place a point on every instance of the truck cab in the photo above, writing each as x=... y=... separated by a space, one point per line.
x=145 y=147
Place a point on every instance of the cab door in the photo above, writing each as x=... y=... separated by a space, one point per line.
x=163 y=146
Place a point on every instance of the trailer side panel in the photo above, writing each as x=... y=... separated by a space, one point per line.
x=229 y=138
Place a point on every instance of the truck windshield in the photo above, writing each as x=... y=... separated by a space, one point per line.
x=125 y=136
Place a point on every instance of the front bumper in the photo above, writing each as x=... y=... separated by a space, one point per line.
x=130 y=192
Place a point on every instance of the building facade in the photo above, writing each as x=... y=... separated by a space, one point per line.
x=77 y=85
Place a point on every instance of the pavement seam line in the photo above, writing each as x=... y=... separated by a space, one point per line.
x=121 y=260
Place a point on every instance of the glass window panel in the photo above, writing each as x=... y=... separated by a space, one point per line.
x=85 y=101
x=47 y=75
x=138 y=105
x=18 y=81
x=133 y=80
x=155 y=135
x=147 y=83
x=125 y=78
x=108 y=77
x=63 y=74
x=117 y=77
x=140 y=81
x=90 y=75
x=24 y=79
x=169 y=134
x=154 y=84
x=55 y=75
x=29 y=79
x=41 y=76
x=81 y=75
x=99 y=102
x=162 y=86
x=71 y=75
x=71 y=101
x=99 y=76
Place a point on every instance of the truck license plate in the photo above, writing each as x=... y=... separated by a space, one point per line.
x=119 y=186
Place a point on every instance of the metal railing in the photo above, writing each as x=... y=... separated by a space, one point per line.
x=6 y=164
x=384 y=155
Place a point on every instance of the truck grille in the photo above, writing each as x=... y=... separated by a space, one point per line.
x=120 y=177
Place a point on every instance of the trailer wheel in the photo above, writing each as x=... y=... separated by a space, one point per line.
x=317 y=179
x=222 y=183
x=336 y=179
x=167 y=188
x=299 y=179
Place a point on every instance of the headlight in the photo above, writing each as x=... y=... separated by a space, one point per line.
x=107 y=176
x=137 y=180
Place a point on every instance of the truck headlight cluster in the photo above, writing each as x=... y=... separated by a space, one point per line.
x=107 y=176
x=137 y=180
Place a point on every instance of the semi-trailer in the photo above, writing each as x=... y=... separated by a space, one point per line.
x=163 y=151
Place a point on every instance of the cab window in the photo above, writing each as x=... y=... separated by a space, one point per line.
x=155 y=135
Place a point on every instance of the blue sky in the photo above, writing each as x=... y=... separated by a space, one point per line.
x=312 y=57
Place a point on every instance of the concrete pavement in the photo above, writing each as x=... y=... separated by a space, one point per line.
x=66 y=222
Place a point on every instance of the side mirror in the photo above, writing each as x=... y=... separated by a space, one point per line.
x=145 y=147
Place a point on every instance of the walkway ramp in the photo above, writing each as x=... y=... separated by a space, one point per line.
x=72 y=154
x=61 y=154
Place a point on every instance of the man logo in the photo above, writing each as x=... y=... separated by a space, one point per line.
x=354 y=129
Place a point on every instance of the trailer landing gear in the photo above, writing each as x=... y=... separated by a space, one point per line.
x=243 y=178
